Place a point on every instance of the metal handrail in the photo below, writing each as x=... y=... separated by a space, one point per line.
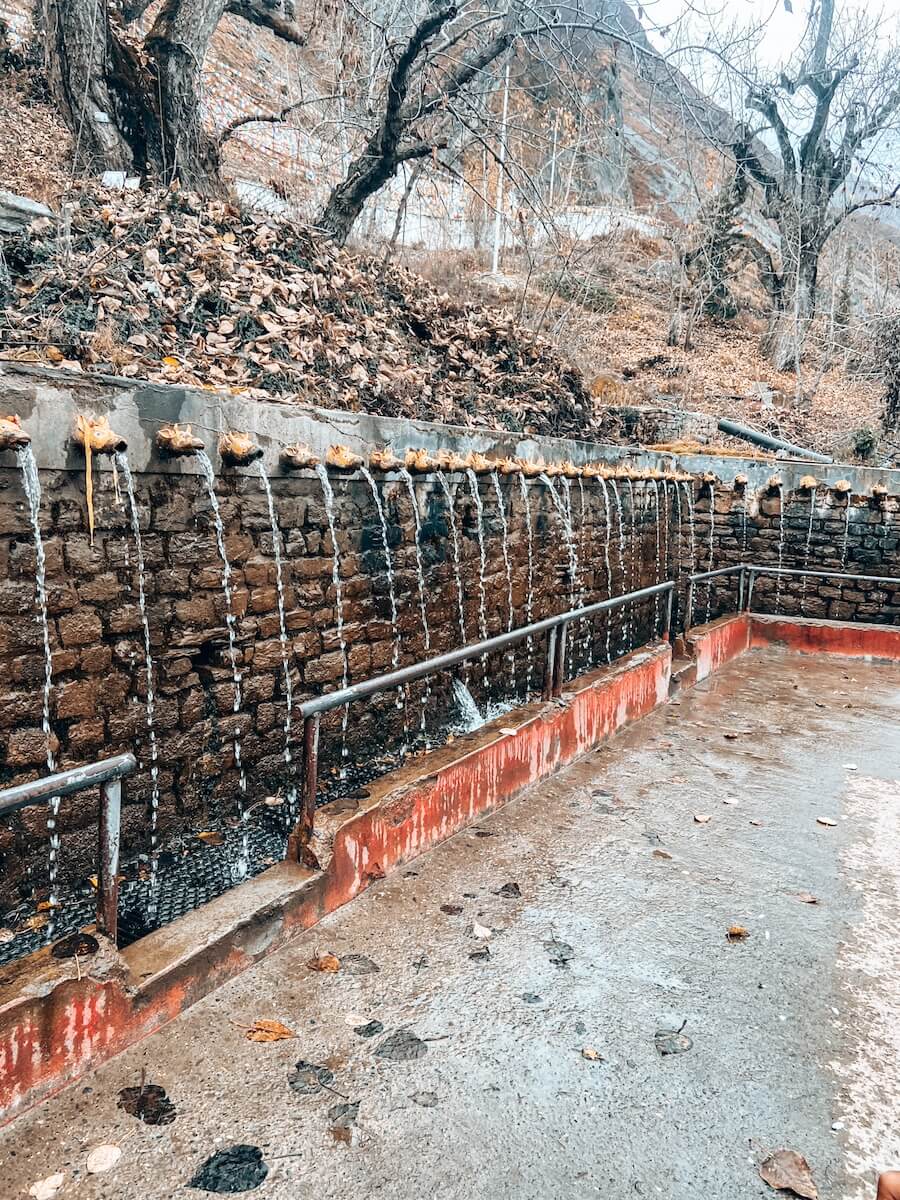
x=554 y=627
x=108 y=775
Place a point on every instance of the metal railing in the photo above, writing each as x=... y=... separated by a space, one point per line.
x=748 y=573
x=108 y=775
x=554 y=627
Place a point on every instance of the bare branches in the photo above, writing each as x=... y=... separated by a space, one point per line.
x=278 y=16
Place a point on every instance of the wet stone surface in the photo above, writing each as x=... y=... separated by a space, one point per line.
x=543 y=1074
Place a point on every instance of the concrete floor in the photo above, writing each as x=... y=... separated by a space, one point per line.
x=796 y=1031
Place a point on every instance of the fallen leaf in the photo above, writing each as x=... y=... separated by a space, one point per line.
x=148 y=1103
x=426 y=1099
x=806 y=898
x=342 y=1133
x=268 y=1031
x=737 y=933
x=309 y=1078
x=238 y=1169
x=6 y=935
x=827 y=821
x=76 y=945
x=591 y=1054
x=788 y=1171
x=452 y=910
x=324 y=962
x=369 y=1029
x=358 y=964
x=662 y=854
x=850 y=767
x=480 y=931
x=730 y=735
x=481 y=955
x=344 y=1115
x=510 y=891
x=672 y=1041
x=758 y=824
x=46 y=1189
x=561 y=953
x=401 y=1046
x=103 y=1158
x=212 y=837
x=702 y=818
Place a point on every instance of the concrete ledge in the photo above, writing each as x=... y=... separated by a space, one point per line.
x=807 y=636
x=55 y=1025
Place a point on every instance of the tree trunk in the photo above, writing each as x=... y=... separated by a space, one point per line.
x=789 y=324
x=368 y=173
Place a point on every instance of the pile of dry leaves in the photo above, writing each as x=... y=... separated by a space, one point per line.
x=173 y=288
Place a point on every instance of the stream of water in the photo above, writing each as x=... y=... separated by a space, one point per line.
x=420 y=577
x=124 y=466
x=712 y=550
x=529 y=594
x=623 y=617
x=846 y=543
x=328 y=500
x=206 y=467
x=807 y=549
x=457 y=572
x=607 y=562
x=780 y=547
x=692 y=543
x=291 y=792
x=482 y=565
x=32 y=486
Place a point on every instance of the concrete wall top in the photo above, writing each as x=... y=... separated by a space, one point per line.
x=47 y=401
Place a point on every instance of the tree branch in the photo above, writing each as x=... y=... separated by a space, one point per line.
x=763 y=100
x=270 y=118
x=278 y=17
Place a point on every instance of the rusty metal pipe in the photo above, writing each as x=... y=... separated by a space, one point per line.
x=310 y=776
x=64 y=783
x=108 y=857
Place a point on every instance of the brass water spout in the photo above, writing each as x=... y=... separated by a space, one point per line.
x=384 y=460
x=740 y=482
x=12 y=435
x=342 y=458
x=419 y=460
x=879 y=491
x=298 y=456
x=94 y=433
x=239 y=449
x=177 y=440
x=842 y=487
x=773 y=483
x=808 y=483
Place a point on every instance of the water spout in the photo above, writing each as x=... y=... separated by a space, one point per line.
x=238 y=449
x=328 y=499
x=12 y=435
x=420 y=575
x=176 y=441
x=529 y=595
x=471 y=717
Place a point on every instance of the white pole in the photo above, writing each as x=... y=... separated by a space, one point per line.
x=501 y=167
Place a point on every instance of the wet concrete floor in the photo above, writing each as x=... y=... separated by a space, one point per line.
x=795 y=1030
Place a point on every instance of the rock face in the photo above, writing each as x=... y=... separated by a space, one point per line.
x=17 y=212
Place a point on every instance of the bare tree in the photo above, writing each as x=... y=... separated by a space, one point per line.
x=132 y=101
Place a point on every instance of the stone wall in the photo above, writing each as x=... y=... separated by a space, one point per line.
x=825 y=530
x=96 y=634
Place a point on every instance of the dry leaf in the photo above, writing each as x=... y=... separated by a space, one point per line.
x=212 y=837
x=826 y=821
x=662 y=854
x=806 y=898
x=591 y=1054
x=103 y=1158
x=324 y=962
x=788 y=1171
x=737 y=933
x=480 y=931
x=46 y=1189
x=702 y=818
x=268 y=1031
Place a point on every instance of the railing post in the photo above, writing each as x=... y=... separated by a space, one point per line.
x=108 y=865
x=740 y=595
x=559 y=665
x=549 y=665
x=310 y=778
x=670 y=600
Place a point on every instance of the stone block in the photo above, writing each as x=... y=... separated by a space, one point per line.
x=80 y=628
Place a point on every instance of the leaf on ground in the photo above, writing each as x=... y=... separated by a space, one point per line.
x=662 y=854
x=425 y=1099
x=370 y=1029
x=482 y=954
x=359 y=964
x=806 y=898
x=788 y=1171
x=480 y=931
x=268 y=1031
x=148 y=1103
x=672 y=1041
x=758 y=824
x=702 y=818
x=344 y=1114
x=452 y=910
x=308 y=1078
x=46 y=1189
x=103 y=1158
x=591 y=1054
x=401 y=1046
x=76 y=945
x=737 y=933
x=212 y=837
x=324 y=962
x=826 y=821
x=510 y=891
x=238 y=1169
x=561 y=953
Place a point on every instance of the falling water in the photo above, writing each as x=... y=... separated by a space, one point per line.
x=658 y=572
x=529 y=595
x=328 y=498
x=587 y=645
x=206 y=466
x=121 y=460
x=623 y=617
x=501 y=509
x=846 y=543
x=607 y=512
x=692 y=543
x=665 y=529
x=392 y=595
x=712 y=547
x=482 y=563
x=780 y=547
x=291 y=796
x=32 y=486
x=420 y=575
x=576 y=578
x=454 y=536
x=471 y=717
x=566 y=528
x=809 y=530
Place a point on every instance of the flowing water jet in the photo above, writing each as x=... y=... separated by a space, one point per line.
x=659 y=565
x=529 y=594
x=291 y=793
x=623 y=627
x=692 y=541
x=712 y=548
x=420 y=575
x=392 y=595
x=504 y=547
x=328 y=499
x=634 y=560
x=587 y=644
x=465 y=702
x=846 y=543
x=457 y=572
x=482 y=565
x=571 y=641
x=780 y=490
x=807 y=549
x=121 y=459
x=607 y=512
x=32 y=486
x=209 y=476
